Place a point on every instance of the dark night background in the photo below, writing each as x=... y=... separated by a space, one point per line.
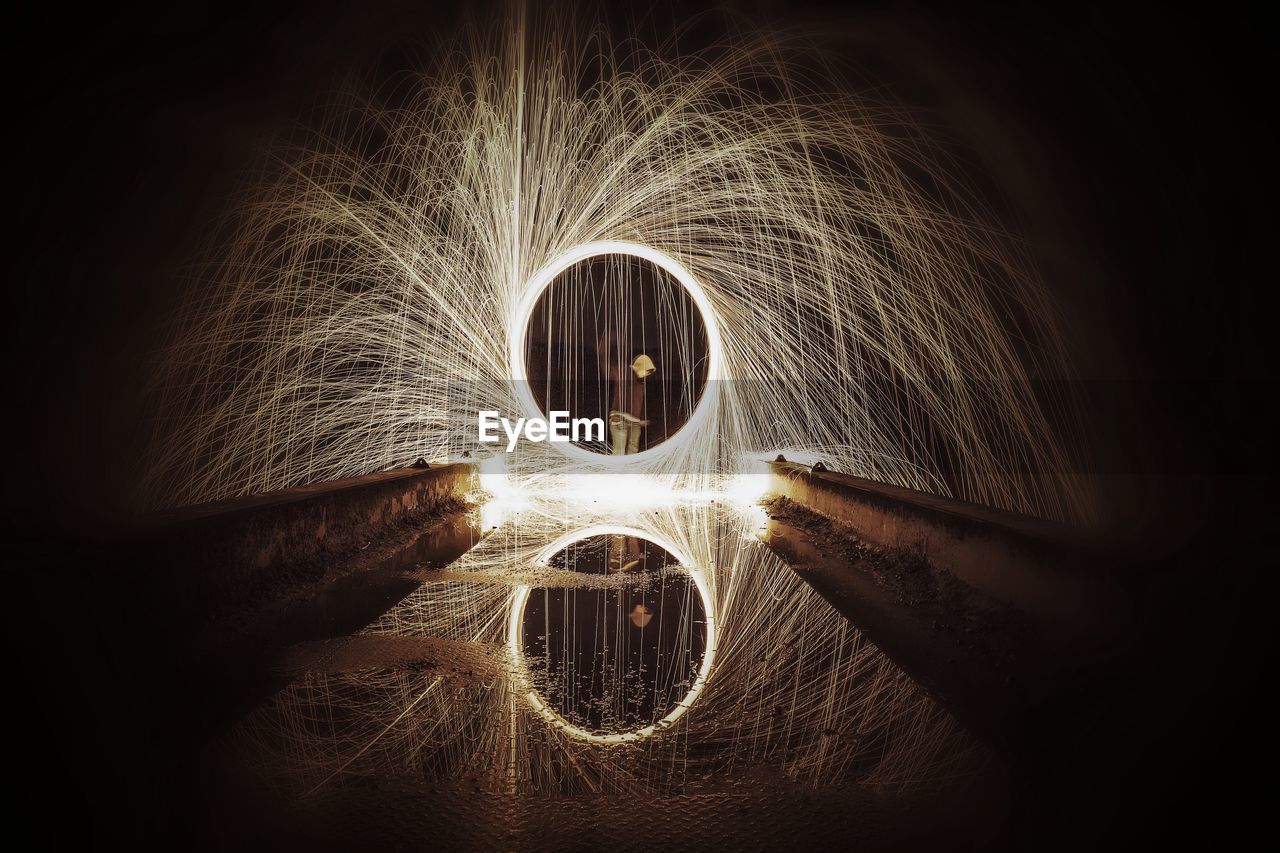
x=1129 y=146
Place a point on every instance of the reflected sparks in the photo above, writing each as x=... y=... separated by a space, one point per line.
x=780 y=684
x=585 y=657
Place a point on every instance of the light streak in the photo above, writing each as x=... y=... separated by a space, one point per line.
x=793 y=686
x=863 y=307
x=863 y=303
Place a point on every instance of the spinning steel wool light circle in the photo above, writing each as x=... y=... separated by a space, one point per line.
x=704 y=413
x=865 y=306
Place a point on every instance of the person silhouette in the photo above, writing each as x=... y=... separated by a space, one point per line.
x=627 y=374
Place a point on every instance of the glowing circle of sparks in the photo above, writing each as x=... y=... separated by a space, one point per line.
x=524 y=312
x=515 y=636
x=853 y=280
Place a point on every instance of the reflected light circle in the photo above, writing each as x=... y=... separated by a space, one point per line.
x=515 y=636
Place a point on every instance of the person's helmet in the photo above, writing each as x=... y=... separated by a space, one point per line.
x=640 y=615
x=643 y=366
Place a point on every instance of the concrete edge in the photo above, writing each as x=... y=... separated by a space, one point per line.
x=1057 y=574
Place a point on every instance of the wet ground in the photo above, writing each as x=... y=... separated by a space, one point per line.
x=774 y=720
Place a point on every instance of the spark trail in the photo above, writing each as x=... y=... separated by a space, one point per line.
x=795 y=688
x=370 y=284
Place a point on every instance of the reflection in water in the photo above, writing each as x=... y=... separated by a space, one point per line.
x=613 y=663
x=794 y=691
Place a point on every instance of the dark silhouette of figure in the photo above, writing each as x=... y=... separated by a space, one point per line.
x=627 y=374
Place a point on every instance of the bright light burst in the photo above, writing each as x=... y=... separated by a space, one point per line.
x=869 y=310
